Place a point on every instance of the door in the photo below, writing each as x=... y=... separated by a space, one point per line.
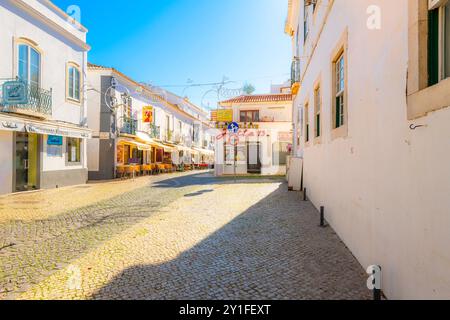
x=26 y=162
x=254 y=157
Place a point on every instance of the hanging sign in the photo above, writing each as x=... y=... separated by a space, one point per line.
x=14 y=93
x=147 y=114
x=225 y=115
x=55 y=140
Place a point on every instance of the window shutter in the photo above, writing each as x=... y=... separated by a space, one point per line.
x=433 y=47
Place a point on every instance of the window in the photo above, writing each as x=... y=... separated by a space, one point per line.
x=29 y=65
x=447 y=40
x=73 y=150
x=339 y=69
x=307 y=122
x=438 y=44
x=317 y=111
x=168 y=133
x=249 y=116
x=305 y=22
x=74 y=83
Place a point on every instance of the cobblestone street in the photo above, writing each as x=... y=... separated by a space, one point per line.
x=183 y=236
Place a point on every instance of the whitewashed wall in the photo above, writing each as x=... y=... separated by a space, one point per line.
x=385 y=188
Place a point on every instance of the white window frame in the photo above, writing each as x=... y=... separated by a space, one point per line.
x=318 y=111
x=71 y=92
x=30 y=46
x=443 y=37
x=339 y=69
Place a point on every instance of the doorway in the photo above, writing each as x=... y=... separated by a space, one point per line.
x=254 y=157
x=26 y=161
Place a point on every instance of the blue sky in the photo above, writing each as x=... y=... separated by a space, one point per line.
x=168 y=42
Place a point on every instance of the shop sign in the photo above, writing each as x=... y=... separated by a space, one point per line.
x=214 y=116
x=241 y=125
x=54 y=140
x=57 y=132
x=243 y=133
x=225 y=115
x=14 y=93
x=285 y=136
x=147 y=114
x=12 y=126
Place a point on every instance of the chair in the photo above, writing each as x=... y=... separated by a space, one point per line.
x=120 y=172
x=136 y=170
x=129 y=171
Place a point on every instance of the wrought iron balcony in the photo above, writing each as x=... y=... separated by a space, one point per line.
x=20 y=97
x=154 y=132
x=178 y=138
x=128 y=126
x=295 y=72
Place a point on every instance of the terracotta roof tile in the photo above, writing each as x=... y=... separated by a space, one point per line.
x=260 y=98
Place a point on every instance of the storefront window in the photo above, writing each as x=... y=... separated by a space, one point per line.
x=126 y=154
x=159 y=155
x=73 y=150
x=120 y=153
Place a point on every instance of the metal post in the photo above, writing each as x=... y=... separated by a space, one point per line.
x=377 y=294
x=322 y=216
x=376 y=282
x=377 y=287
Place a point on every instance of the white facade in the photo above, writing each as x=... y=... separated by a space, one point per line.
x=176 y=127
x=45 y=34
x=263 y=142
x=384 y=182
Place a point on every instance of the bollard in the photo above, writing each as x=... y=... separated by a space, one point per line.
x=374 y=281
x=322 y=216
x=377 y=294
x=304 y=194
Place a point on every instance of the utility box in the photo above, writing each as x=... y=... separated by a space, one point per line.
x=295 y=174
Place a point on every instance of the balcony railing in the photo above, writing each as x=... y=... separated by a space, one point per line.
x=178 y=138
x=128 y=126
x=167 y=136
x=295 y=71
x=35 y=101
x=154 y=132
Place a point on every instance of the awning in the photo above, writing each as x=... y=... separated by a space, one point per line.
x=182 y=148
x=162 y=146
x=204 y=151
x=57 y=131
x=140 y=146
x=169 y=147
x=150 y=141
x=13 y=123
x=12 y=126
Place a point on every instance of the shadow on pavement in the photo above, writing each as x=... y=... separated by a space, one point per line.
x=273 y=250
x=207 y=178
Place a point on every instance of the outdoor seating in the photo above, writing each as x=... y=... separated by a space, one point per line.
x=129 y=171
x=120 y=172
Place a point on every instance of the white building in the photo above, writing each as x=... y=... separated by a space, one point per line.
x=263 y=140
x=371 y=114
x=42 y=98
x=134 y=124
